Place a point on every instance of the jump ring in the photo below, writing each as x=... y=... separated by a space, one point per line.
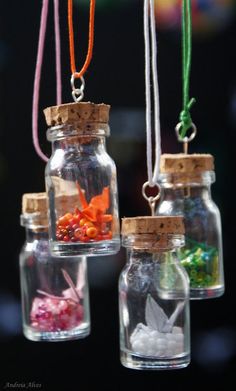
x=77 y=93
x=72 y=82
x=151 y=199
x=185 y=139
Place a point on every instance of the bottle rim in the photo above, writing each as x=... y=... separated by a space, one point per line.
x=168 y=180
x=153 y=242
x=34 y=220
x=88 y=129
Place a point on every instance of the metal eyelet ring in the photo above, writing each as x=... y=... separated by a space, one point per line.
x=151 y=200
x=77 y=93
x=185 y=139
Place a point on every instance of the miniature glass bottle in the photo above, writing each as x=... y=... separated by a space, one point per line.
x=81 y=182
x=186 y=190
x=154 y=295
x=54 y=290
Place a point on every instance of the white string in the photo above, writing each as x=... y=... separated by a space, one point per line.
x=152 y=175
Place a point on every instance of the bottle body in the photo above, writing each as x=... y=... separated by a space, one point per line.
x=54 y=292
x=154 y=311
x=202 y=256
x=82 y=192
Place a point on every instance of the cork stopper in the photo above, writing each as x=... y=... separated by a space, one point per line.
x=153 y=225
x=34 y=203
x=80 y=115
x=153 y=233
x=186 y=164
x=34 y=210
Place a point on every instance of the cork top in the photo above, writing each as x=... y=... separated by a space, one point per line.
x=77 y=113
x=34 y=203
x=153 y=225
x=186 y=164
x=34 y=210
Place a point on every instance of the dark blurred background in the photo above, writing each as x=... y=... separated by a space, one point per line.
x=116 y=76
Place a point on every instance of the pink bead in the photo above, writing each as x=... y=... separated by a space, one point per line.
x=49 y=314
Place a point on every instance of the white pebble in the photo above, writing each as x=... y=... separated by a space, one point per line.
x=154 y=334
x=179 y=348
x=177 y=330
x=138 y=347
x=162 y=352
x=149 y=342
x=172 y=348
x=152 y=344
x=179 y=338
x=161 y=343
x=151 y=351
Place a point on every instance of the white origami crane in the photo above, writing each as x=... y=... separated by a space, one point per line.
x=156 y=318
x=74 y=293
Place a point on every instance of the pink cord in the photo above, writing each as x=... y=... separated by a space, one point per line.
x=43 y=25
x=58 y=50
x=37 y=78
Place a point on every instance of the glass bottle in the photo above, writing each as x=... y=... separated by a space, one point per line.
x=186 y=190
x=54 y=290
x=154 y=295
x=81 y=182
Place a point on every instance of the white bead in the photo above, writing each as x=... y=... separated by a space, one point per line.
x=137 y=346
x=179 y=348
x=154 y=334
x=162 y=352
x=149 y=342
x=171 y=347
x=179 y=338
x=177 y=330
x=161 y=343
x=151 y=351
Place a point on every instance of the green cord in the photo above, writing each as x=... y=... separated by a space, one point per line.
x=185 y=117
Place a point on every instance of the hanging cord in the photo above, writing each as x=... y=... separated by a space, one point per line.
x=152 y=174
x=78 y=93
x=57 y=51
x=37 y=78
x=185 y=117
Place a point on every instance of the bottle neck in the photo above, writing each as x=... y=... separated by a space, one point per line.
x=83 y=136
x=145 y=256
x=196 y=185
x=33 y=234
x=153 y=243
x=85 y=145
x=203 y=192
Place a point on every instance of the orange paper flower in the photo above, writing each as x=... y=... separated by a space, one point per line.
x=90 y=223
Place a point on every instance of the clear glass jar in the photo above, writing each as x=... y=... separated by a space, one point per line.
x=188 y=193
x=81 y=182
x=154 y=301
x=54 y=290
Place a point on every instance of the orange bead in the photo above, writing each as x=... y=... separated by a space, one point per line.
x=64 y=220
x=68 y=216
x=89 y=224
x=76 y=219
x=91 y=232
x=83 y=222
x=77 y=233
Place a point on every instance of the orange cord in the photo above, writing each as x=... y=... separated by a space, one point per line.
x=71 y=39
